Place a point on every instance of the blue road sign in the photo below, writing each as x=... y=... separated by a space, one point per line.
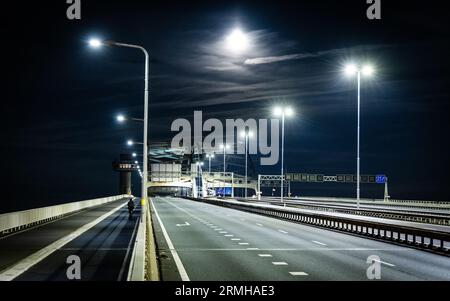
x=381 y=179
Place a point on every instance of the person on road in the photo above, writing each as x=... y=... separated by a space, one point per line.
x=130 y=208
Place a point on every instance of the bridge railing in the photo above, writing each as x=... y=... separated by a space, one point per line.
x=15 y=221
x=436 y=240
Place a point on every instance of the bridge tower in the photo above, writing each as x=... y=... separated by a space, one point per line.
x=125 y=167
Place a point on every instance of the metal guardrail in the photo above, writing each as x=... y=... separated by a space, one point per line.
x=143 y=264
x=392 y=202
x=405 y=215
x=15 y=221
x=426 y=239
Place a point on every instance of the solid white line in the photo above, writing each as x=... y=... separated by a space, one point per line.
x=298 y=273
x=386 y=263
x=184 y=276
x=26 y=263
x=264 y=255
x=282 y=231
x=319 y=243
x=279 y=263
x=252 y=249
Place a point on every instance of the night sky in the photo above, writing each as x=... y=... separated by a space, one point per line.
x=60 y=97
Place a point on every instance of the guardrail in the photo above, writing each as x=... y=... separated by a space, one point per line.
x=393 y=202
x=143 y=264
x=15 y=221
x=436 y=218
x=426 y=239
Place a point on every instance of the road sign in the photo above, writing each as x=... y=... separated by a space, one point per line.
x=381 y=179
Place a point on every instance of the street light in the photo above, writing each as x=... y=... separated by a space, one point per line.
x=96 y=43
x=224 y=147
x=246 y=134
x=130 y=142
x=282 y=112
x=134 y=155
x=351 y=70
x=122 y=118
x=209 y=156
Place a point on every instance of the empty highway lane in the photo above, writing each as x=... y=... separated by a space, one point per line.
x=198 y=241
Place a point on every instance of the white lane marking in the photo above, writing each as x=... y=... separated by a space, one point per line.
x=228 y=235
x=183 y=225
x=235 y=239
x=265 y=255
x=252 y=249
x=223 y=232
x=259 y=225
x=282 y=231
x=218 y=229
x=183 y=274
x=279 y=263
x=298 y=273
x=386 y=263
x=319 y=243
x=25 y=264
x=244 y=243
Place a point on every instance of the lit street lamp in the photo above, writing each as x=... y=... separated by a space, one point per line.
x=96 y=43
x=351 y=70
x=122 y=118
x=209 y=156
x=246 y=135
x=283 y=112
x=224 y=148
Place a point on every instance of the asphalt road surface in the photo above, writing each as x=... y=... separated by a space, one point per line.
x=104 y=250
x=199 y=241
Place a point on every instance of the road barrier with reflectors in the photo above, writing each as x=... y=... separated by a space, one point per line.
x=15 y=221
x=427 y=237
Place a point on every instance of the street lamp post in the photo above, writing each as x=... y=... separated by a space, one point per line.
x=246 y=135
x=283 y=112
x=209 y=156
x=97 y=43
x=366 y=70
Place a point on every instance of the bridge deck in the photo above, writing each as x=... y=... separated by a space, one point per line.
x=226 y=244
x=104 y=249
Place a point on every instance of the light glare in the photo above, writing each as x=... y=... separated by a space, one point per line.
x=96 y=43
x=237 y=41
x=368 y=70
x=350 y=69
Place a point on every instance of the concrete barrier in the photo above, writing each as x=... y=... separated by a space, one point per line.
x=143 y=264
x=15 y=221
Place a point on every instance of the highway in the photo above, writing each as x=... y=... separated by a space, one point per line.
x=104 y=247
x=198 y=241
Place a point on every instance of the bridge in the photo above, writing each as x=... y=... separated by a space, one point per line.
x=198 y=226
x=210 y=238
